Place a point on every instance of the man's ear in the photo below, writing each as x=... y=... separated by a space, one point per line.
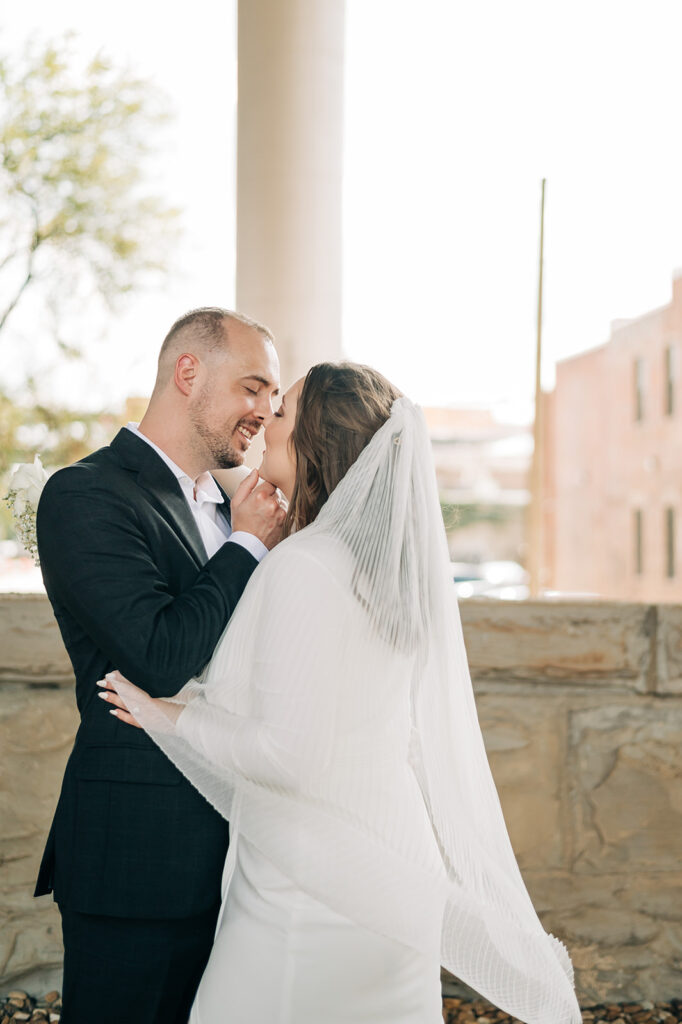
x=186 y=370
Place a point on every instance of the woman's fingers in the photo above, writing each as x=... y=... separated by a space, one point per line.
x=125 y=716
x=113 y=698
x=244 y=489
x=108 y=693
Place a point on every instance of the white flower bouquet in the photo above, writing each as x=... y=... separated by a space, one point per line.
x=25 y=486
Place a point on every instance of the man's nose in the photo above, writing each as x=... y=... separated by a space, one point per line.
x=264 y=408
x=267 y=420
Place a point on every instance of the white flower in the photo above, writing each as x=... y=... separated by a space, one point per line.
x=33 y=494
x=30 y=478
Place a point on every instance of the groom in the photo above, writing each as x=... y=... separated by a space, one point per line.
x=144 y=560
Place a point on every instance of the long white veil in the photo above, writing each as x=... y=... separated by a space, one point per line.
x=338 y=711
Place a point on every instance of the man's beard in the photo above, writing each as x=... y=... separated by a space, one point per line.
x=223 y=453
x=219 y=446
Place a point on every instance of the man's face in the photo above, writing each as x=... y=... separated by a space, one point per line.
x=234 y=397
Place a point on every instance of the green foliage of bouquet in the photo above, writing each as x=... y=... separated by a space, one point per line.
x=25 y=487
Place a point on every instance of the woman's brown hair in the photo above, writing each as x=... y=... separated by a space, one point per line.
x=340 y=409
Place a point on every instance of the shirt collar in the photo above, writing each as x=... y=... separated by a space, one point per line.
x=205 y=486
x=207 y=489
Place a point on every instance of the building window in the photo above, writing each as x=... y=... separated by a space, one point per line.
x=670 y=376
x=639 y=549
x=670 y=543
x=639 y=389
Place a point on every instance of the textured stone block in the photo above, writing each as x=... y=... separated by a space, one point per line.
x=610 y=926
x=557 y=893
x=37 y=728
x=525 y=743
x=625 y=763
x=669 y=649
x=30 y=944
x=31 y=647
x=659 y=895
x=583 y=643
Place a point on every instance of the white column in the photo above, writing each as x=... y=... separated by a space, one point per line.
x=289 y=172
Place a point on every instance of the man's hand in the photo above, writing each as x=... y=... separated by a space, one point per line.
x=257 y=509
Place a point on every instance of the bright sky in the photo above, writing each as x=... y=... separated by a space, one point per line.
x=455 y=111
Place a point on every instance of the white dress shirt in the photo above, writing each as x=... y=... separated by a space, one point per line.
x=203 y=497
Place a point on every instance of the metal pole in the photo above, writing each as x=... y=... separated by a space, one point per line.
x=535 y=518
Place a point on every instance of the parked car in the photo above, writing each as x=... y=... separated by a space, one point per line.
x=505 y=580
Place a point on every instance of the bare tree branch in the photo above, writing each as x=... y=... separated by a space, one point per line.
x=72 y=149
x=19 y=292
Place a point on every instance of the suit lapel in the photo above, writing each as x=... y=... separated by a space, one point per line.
x=163 y=488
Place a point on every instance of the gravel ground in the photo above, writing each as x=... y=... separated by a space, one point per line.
x=18 y=1006
x=459 y=1011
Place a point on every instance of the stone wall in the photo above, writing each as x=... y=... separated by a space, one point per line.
x=581 y=709
x=38 y=720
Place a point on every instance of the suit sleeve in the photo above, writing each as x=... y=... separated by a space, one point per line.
x=96 y=558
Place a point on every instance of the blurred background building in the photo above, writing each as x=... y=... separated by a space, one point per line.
x=614 y=463
x=482 y=466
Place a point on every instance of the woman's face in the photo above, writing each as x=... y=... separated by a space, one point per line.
x=279 y=459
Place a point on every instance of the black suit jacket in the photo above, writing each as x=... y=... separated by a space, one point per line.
x=123 y=564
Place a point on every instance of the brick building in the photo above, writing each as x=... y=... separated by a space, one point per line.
x=613 y=506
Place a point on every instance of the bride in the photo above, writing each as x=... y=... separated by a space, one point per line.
x=335 y=727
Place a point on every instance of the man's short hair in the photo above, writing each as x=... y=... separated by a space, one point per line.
x=209 y=326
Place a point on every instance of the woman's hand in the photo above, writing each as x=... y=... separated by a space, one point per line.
x=129 y=700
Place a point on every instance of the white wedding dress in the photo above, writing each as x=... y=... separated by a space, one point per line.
x=336 y=730
x=280 y=955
